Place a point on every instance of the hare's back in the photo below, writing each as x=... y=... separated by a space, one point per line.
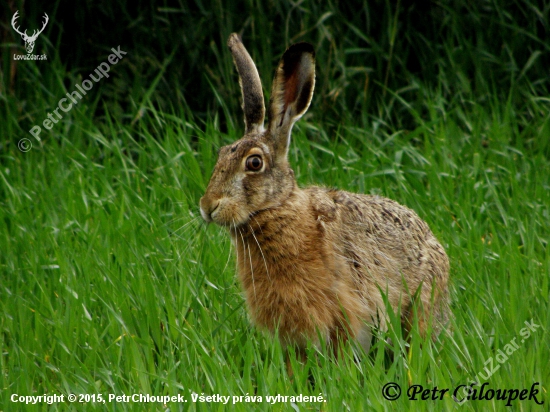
x=384 y=237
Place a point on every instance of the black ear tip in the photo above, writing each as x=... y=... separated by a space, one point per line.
x=299 y=48
x=295 y=54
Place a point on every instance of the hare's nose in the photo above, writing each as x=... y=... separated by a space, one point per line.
x=208 y=208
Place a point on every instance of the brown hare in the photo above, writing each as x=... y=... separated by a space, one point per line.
x=316 y=262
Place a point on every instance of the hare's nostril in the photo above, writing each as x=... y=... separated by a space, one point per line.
x=208 y=209
x=214 y=207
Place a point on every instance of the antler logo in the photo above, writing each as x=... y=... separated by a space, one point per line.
x=29 y=40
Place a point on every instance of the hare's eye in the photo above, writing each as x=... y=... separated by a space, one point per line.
x=254 y=163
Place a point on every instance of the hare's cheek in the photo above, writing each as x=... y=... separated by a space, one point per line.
x=249 y=187
x=255 y=191
x=230 y=212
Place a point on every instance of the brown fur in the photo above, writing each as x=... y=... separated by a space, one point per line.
x=315 y=262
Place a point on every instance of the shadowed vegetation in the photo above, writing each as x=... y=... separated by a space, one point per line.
x=111 y=283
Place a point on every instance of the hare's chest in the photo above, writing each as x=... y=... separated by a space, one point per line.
x=288 y=292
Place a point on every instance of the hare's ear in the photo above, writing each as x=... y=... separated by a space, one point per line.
x=291 y=92
x=251 y=86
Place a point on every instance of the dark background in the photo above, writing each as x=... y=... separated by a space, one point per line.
x=371 y=55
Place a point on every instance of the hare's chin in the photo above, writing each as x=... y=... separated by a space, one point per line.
x=232 y=224
x=231 y=221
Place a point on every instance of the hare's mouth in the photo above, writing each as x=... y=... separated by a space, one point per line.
x=229 y=214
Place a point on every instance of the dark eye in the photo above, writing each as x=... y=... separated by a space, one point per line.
x=254 y=163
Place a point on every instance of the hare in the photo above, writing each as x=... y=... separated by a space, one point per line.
x=316 y=263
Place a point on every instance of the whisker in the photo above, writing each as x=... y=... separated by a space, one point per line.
x=229 y=254
x=236 y=246
x=250 y=259
x=184 y=228
x=194 y=220
x=259 y=226
x=251 y=269
x=179 y=217
x=261 y=251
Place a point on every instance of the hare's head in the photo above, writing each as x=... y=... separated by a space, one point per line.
x=253 y=174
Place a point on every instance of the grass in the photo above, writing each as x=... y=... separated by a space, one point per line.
x=112 y=284
x=365 y=51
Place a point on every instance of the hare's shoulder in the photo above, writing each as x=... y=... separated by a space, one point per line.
x=375 y=229
x=374 y=213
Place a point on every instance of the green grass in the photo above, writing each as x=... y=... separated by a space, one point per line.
x=110 y=283
x=371 y=54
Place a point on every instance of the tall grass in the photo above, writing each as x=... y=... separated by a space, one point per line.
x=371 y=55
x=111 y=283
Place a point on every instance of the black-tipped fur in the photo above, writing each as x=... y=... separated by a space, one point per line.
x=291 y=92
